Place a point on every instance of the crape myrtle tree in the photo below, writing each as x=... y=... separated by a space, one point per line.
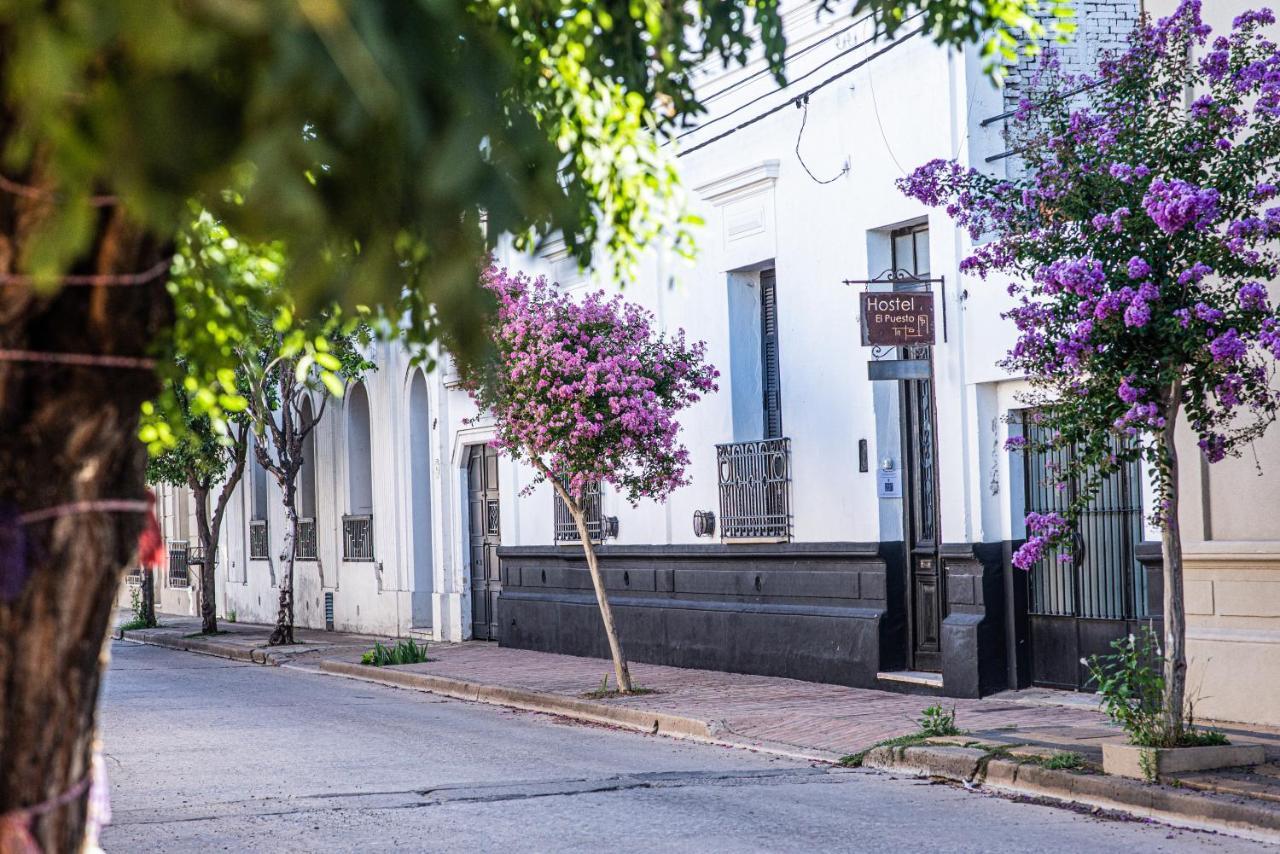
x=288 y=364
x=546 y=116
x=586 y=392
x=1142 y=235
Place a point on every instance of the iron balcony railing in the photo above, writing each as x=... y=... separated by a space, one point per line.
x=178 y=559
x=357 y=537
x=593 y=507
x=755 y=489
x=258 y=540
x=304 y=548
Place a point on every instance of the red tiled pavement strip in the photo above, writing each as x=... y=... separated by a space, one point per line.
x=829 y=718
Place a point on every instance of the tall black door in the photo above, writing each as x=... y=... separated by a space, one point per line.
x=484 y=533
x=921 y=520
x=920 y=463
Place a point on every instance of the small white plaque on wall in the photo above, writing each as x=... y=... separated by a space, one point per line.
x=889 y=483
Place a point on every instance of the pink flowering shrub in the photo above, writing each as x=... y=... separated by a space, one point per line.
x=1140 y=235
x=587 y=389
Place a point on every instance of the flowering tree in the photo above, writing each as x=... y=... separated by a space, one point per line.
x=1141 y=238
x=587 y=392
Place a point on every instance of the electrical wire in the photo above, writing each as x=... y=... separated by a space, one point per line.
x=876 y=109
x=787 y=58
x=804 y=76
x=803 y=104
x=893 y=44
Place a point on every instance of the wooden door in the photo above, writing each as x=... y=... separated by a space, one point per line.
x=921 y=522
x=484 y=534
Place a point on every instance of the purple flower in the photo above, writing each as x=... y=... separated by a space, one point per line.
x=1175 y=204
x=1130 y=393
x=1252 y=296
x=1197 y=272
x=1208 y=314
x=1138 y=268
x=1138 y=313
x=1214 y=446
x=1079 y=276
x=1254 y=18
x=1228 y=347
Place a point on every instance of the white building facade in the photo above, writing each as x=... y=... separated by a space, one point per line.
x=837 y=527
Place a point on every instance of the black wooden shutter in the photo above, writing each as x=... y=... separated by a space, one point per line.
x=770 y=376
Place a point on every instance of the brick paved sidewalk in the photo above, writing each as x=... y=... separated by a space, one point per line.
x=803 y=715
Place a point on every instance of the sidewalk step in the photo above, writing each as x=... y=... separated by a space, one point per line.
x=912 y=677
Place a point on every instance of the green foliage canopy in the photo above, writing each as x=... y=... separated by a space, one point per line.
x=386 y=143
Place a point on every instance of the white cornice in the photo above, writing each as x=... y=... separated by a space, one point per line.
x=741 y=183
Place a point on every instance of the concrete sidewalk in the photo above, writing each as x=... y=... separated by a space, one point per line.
x=788 y=717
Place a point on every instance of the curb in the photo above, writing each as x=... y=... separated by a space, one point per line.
x=976 y=768
x=203 y=646
x=639 y=720
x=656 y=723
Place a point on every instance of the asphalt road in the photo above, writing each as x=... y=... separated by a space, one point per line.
x=212 y=755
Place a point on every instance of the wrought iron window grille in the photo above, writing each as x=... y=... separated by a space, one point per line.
x=305 y=547
x=258 y=542
x=357 y=537
x=755 y=490
x=566 y=530
x=179 y=575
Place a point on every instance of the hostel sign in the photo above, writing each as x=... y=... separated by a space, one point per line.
x=897 y=318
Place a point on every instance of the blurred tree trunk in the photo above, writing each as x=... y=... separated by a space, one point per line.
x=68 y=433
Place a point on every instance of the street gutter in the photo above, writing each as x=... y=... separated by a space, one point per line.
x=992 y=770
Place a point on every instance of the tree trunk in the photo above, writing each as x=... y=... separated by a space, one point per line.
x=148 y=598
x=1175 y=616
x=68 y=433
x=620 y=671
x=283 y=633
x=209 y=545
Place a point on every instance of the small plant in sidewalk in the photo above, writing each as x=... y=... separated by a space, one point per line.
x=1131 y=685
x=604 y=692
x=936 y=721
x=139 y=619
x=1069 y=761
x=405 y=652
x=587 y=391
x=231 y=615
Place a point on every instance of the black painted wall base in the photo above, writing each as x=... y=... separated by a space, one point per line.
x=821 y=612
x=801 y=610
x=973 y=635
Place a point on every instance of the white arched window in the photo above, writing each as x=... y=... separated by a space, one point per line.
x=357 y=525
x=306 y=547
x=420 y=462
x=258 y=542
